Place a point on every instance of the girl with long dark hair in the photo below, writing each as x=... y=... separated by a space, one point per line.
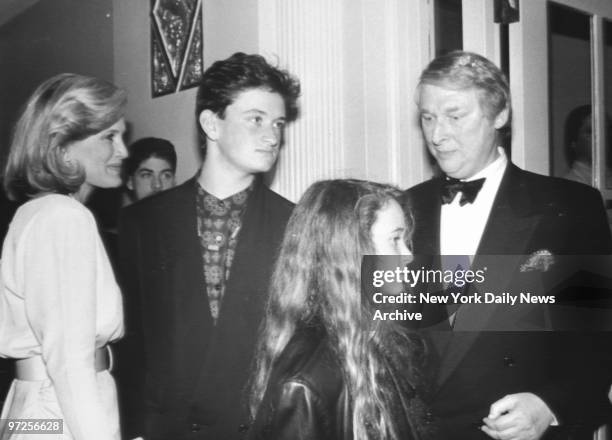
x=325 y=369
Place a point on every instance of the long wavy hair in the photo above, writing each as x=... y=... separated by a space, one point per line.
x=316 y=279
x=63 y=109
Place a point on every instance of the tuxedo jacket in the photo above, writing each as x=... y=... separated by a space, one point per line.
x=494 y=349
x=189 y=376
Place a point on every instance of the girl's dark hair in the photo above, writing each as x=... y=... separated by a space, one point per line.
x=317 y=279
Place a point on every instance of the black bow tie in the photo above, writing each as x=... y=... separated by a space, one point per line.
x=469 y=190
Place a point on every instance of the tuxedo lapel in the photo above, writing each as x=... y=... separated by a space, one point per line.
x=513 y=217
x=508 y=231
x=471 y=319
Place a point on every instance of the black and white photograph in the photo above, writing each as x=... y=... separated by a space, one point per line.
x=306 y=219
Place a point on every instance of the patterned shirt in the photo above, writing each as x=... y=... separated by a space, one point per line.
x=219 y=222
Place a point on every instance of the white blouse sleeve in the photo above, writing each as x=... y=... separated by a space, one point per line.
x=60 y=262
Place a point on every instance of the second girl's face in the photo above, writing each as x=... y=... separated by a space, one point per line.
x=388 y=235
x=389 y=231
x=100 y=156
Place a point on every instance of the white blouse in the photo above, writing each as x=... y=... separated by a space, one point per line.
x=59 y=299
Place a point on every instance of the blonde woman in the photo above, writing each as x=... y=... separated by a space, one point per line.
x=59 y=303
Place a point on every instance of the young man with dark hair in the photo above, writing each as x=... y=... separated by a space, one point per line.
x=198 y=258
x=150 y=167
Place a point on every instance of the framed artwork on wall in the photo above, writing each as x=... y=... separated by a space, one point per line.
x=176 y=45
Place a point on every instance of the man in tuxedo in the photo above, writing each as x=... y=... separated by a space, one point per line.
x=196 y=260
x=502 y=372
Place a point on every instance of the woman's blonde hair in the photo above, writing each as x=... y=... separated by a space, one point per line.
x=63 y=109
x=317 y=279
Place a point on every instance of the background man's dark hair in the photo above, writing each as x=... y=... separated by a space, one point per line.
x=224 y=79
x=573 y=123
x=145 y=148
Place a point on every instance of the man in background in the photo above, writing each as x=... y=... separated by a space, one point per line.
x=150 y=167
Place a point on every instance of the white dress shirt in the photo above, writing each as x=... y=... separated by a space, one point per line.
x=461 y=227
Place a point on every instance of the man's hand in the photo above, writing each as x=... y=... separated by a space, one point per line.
x=521 y=416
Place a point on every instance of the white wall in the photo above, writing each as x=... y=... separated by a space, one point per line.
x=359 y=61
x=51 y=37
x=529 y=87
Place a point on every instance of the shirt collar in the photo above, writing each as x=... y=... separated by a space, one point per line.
x=496 y=167
x=246 y=191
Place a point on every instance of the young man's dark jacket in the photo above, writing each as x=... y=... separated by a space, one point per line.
x=188 y=376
